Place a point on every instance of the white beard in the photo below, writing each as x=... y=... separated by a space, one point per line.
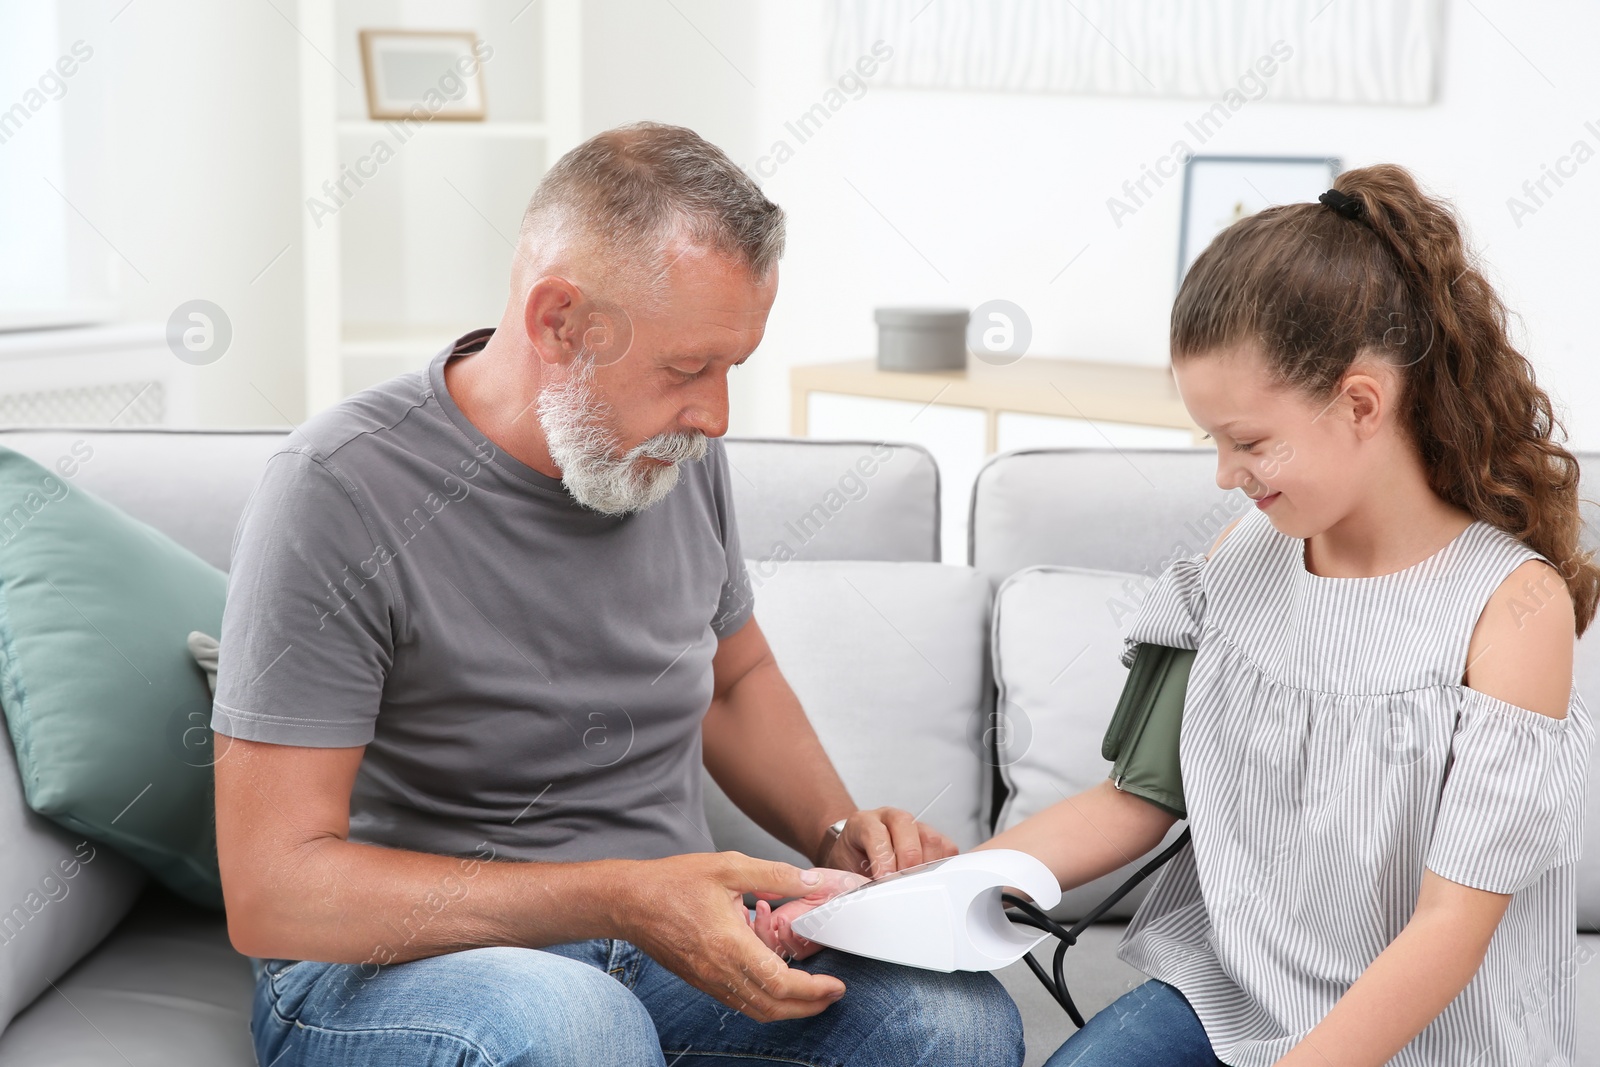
x=577 y=431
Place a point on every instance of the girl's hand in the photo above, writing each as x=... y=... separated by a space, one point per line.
x=773 y=926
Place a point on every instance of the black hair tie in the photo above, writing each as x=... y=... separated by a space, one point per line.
x=1348 y=206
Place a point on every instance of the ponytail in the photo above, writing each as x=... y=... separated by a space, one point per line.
x=1318 y=287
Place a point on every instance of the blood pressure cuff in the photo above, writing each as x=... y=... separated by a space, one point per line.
x=1142 y=740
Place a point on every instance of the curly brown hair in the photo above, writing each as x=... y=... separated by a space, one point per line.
x=1389 y=275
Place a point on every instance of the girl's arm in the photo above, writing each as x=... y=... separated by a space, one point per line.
x=1089 y=834
x=1410 y=982
x=1079 y=839
x=1094 y=832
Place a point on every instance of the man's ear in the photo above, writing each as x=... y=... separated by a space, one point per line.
x=551 y=315
x=564 y=323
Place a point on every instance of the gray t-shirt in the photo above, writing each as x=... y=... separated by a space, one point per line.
x=522 y=670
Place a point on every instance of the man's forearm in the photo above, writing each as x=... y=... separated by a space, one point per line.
x=342 y=902
x=763 y=752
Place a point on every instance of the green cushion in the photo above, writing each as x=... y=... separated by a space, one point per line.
x=105 y=706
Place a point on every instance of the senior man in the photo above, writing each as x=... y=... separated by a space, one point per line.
x=484 y=623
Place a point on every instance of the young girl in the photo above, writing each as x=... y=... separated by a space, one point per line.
x=1383 y=753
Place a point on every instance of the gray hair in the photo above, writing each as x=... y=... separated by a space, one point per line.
x=631 y=192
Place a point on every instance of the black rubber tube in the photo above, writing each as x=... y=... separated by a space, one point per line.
x=1026 y=913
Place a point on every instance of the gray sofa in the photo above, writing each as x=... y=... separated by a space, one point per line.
x=972 y=693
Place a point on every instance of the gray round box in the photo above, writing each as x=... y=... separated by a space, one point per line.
x=921 y=338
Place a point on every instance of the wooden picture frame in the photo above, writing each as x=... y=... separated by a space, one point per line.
x=424 y=74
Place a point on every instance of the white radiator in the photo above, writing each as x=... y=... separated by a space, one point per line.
x=121 y=375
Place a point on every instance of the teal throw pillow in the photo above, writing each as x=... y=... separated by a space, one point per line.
x=104 y=704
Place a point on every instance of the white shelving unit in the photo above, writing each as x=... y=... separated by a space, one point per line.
x=416 y=247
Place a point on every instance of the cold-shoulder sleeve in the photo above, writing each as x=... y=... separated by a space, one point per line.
x=1173 y=611
x=1512 y=803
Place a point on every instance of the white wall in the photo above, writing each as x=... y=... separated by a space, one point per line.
x=201 y=186
x=997 y=192
x=649 y=59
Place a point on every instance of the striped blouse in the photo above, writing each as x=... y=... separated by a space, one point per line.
x=1330 y=753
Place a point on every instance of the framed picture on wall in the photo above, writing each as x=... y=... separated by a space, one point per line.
x=1220 y=190
x=423 y=74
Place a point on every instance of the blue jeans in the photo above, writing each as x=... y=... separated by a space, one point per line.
x=1151 y=1025
x=604 y=1002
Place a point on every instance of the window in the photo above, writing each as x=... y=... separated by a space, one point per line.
x=55 y=269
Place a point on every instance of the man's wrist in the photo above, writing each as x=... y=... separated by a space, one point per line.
x=830 y=835
x=613 y=896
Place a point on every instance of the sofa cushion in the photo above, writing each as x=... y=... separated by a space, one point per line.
x=888 y=660
x=59 y=894
x=1057 y=643
x=794 y=498
x=166 y=989
x=95 y=675
x=835 y=499
x=1114 y=509
x=189 y=484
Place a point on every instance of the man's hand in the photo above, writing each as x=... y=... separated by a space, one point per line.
x=883 y=840
x=773 y=927
x=688 y=914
